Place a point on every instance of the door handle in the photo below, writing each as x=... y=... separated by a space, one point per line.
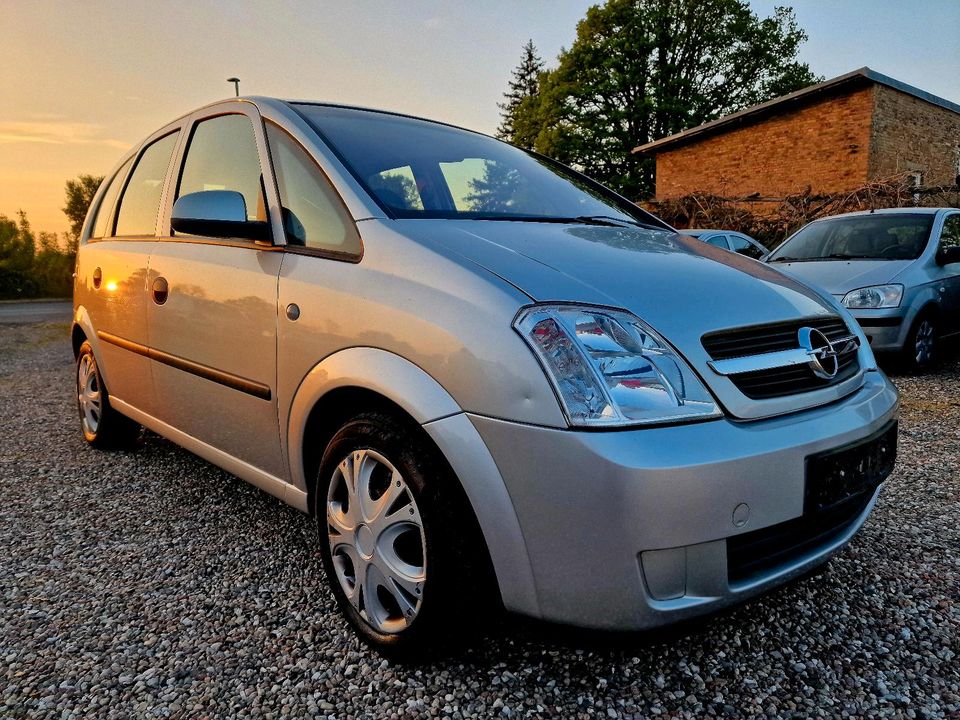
x=97 y=278
x=160 y=290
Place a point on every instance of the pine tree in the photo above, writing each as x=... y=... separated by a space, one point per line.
x=525 y=83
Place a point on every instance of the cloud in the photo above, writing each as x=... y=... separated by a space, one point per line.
x=56 y=132
x=433 y=23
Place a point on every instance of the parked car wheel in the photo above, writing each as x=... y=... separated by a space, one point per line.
x=393 y=539
x=103 y=427
x=922 y=349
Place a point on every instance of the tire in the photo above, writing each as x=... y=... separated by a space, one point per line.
x=921 y=351
x=399 y=544
x=102 y=426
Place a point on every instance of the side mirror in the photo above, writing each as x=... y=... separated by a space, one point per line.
x=217 y=213
x=948 y=255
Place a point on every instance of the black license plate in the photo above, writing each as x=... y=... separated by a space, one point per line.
x=849 y=472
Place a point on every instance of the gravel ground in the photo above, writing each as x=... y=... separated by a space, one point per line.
x=151 y=584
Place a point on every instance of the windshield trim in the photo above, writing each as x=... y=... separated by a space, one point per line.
x=634 y=212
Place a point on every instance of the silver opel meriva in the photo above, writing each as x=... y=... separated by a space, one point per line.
x=490 y=379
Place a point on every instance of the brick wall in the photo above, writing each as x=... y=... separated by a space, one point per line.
x=910 y=134
x=825 y=145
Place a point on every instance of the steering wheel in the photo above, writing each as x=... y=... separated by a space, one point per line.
x=892 y=251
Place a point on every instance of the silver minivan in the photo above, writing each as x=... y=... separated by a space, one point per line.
x=493 y=382
x=896 y=270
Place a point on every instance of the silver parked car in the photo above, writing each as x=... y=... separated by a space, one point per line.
x=897 y=271
x=729 y=240
x=493 y=382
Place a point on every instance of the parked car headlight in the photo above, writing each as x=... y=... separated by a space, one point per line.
x=876 y=296
x=610 y=368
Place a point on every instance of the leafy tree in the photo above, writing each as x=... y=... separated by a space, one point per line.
x=17 y=244
x=396 y=190
x=524 y=84
x=80 y=194
x=639 y=70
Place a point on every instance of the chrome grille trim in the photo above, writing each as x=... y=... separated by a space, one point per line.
x=779 y=359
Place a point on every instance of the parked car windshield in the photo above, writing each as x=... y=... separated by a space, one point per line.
x=874 y=237
x=421 y=169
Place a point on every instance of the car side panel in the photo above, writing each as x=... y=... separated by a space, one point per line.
x=116 y=307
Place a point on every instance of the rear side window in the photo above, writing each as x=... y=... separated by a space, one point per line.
x=313 y=215
x=719 y=240
x=101 y=226
x=141 y=198
x=222 y=155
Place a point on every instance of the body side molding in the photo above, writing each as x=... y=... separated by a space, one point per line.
x=250 y=387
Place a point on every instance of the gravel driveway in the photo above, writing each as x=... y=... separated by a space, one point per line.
x=151 y=584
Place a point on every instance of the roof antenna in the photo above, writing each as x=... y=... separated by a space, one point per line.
x=236 y=85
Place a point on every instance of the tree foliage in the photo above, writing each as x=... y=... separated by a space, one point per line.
x=639 y=70
x=80 y=194
x=524 y=84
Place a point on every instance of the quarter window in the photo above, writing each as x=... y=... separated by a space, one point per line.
x=101 y=224
x=222 y=155
x=950 y=235
x=140 y=203
x=719 y=240
x=313 y=215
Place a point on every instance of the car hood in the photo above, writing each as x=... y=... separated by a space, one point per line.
x=681 y=286
x=838 y=277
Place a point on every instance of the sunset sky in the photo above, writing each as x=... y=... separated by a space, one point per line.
x=81 y=82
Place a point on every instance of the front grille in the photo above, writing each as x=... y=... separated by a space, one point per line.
x=782 y=381
x=839 y=486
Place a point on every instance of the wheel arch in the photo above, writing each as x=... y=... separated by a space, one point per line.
x=358 y=379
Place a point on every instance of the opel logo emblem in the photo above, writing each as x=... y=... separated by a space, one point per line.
x=823 y=356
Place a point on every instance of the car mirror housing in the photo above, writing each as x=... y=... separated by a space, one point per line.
x=219 y=214
x=948 y=255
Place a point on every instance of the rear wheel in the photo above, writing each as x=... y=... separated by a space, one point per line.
x=396 y=538
x=102 y=426
x=922 y=348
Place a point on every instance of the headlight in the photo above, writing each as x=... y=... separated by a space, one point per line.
x=877 y=296
x=609 y=368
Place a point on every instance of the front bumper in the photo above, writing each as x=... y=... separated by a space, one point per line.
x=886 y=330
x=628 y=529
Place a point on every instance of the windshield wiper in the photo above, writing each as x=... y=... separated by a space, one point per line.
x=601 y=220
x=844 y=256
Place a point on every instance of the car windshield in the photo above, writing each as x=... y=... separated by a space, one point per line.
x=421 y=169
x=874 y=237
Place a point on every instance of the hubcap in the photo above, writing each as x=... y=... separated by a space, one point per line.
x=924 y=343
x=376 y=540
x=88 y=393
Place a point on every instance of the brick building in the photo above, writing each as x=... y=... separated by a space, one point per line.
x=831 y=137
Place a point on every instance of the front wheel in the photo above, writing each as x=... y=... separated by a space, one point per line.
x=921 y=352
x=103 y=427
x=395 y=538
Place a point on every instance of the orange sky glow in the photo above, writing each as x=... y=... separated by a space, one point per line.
x=82 y=82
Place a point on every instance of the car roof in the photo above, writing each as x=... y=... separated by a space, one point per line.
x=891 y=211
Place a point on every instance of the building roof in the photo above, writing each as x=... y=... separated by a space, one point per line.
x=857 y=77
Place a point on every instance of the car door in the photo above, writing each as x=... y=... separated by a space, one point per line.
x=949 y=274
x=112 y=270
x=212 y=313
